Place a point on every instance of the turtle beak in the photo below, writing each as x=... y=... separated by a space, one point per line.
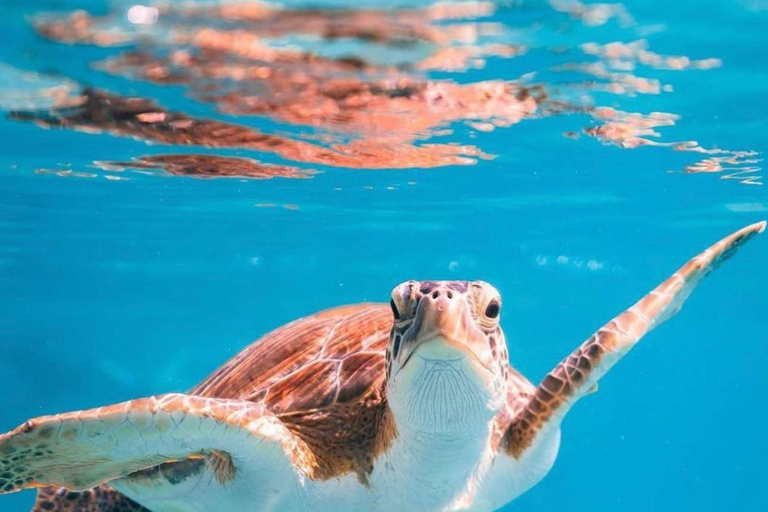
x=444 y=331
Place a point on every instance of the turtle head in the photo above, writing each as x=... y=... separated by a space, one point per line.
x=447 y=358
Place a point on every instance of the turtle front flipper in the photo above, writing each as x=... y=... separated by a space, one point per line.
x=81 y=450
x=578 y=374
x=98 y=499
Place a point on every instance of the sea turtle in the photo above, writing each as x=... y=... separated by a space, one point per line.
x=370 y=407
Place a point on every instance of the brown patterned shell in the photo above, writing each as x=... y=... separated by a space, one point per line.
x=323 y=377
x=333 y=356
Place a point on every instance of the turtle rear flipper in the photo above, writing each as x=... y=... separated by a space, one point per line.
x=98 y=499
x=578 y=373
x=81 y=450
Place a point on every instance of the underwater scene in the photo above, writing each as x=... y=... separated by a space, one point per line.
x=484 y=185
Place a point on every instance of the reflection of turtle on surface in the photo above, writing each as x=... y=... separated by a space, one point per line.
x=356 y=408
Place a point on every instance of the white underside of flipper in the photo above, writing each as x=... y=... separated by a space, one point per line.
x=271 y=484
x=456 y=470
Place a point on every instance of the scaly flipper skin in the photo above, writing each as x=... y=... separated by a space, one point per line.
x=84 y=449
x=98 y=499
x=576 y=375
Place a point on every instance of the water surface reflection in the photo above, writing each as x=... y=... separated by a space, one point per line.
x=369 y=88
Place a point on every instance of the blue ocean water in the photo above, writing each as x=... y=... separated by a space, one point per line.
x=120 y=281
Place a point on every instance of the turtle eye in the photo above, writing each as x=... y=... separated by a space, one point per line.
x=394 y=309
x=492 y=311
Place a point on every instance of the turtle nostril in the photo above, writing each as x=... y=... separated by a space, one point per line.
x=450 y=294
x=435 y=294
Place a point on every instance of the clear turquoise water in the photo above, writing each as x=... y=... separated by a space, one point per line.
x=112 y=289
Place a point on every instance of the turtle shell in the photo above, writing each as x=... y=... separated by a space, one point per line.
x=323 y=377
x=335 y=356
